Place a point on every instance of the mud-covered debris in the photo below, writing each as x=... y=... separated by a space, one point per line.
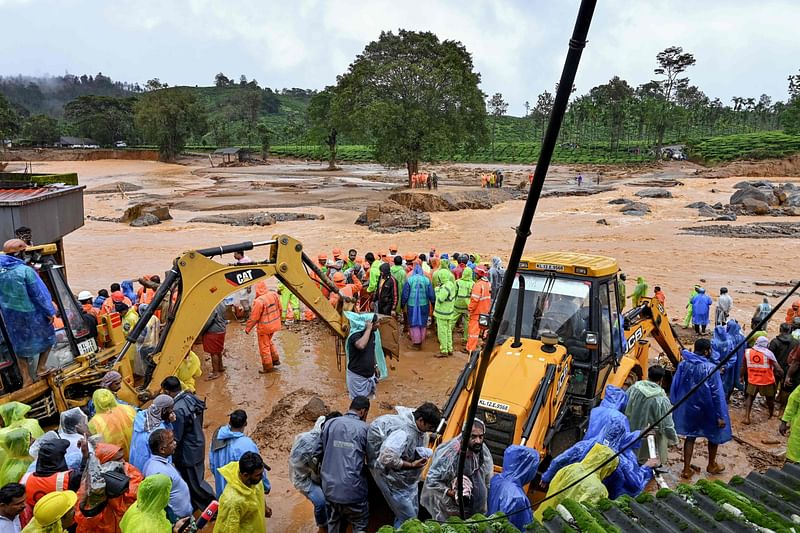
x=603 y=221
x=632 y=206
x=147 y=219
x=161 y=212
x=654 y=192
x=666 y=182
x=314 y=409
x=237 y=219
x=290 y=217
x=697 y=205
x=115 y=186
x=454 y=201
x=757 y=230
x=392 y=217
x=576 y=190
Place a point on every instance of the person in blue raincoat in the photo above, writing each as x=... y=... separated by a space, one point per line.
x=701 y=305
x=735 y=338
x=228 y=444
x=705 y=413
x=417 y=298
x=159 y=415
x=612 y=407
x=27 y=310
x=506 y=491
x=720 y=347
x=628 y=478
x=127 y=290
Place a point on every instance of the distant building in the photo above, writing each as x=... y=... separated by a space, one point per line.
x=242 y=154
x=76 y=142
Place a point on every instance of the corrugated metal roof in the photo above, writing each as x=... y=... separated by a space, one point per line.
x=227 y=151
x=759 y=502
x=10 y=197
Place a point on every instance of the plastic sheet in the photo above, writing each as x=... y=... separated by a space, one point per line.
x=15 y=443
x=303 y=465
x=26 y=306
x=611 y=408
x=148 y=514
x=506 y=492
x=698 y=416
x=13 y=414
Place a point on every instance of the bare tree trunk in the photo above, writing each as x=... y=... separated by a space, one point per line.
x=332 y=156
x=411 y=167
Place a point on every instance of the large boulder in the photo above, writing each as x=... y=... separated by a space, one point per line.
x=697 y=205
x=752 y=206
x=754 y=183
x=752 y=193
x=147 y=219
x=792 y=200
x=136 y=211
x=654 y=192
x=391 y=217
x=639 y=207
x=420 y=201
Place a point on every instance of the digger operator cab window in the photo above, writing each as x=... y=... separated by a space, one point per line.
x=557 y=305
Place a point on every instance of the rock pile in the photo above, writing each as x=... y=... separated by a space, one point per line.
x=392 y=217
x=255 y=219
x=765 y=198
x=453 y=201
x=654 y=192
x=631 y=208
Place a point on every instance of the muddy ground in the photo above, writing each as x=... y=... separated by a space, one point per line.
x=653 y=245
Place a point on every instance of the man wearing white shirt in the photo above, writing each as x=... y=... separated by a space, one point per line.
x=12 y=503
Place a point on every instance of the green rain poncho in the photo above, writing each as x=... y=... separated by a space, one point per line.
x=443 y=274
x=639 y=291
x=13 y=414
x=647 y=403
x=15 y=443
x=792 y=417
x=591 y=489
x=148 y=514
x=687 y=320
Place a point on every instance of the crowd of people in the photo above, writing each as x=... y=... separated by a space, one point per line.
x=421 y=180
x=492 y=180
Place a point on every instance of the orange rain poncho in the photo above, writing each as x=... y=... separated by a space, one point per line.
x=113 y=420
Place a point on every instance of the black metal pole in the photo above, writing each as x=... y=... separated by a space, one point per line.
x=576 y=45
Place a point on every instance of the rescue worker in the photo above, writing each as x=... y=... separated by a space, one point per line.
x=396 y=458
x=386 y=293
x=352 y=254
x=27 y=309
x=687 y=319
x=724 y=306
x=191 y=441
x=399 y=274
x=117 y=302
x=267 y=315
x=73 y=425
x=343 y=448
x=463 y=292
x=416 y=299
x=73 y=459
x=781 y=346
x=480 y=303
x=105 y=516
x=241 y=506
x=112 y=380
x=188 y=370
x=621 y=290
x=304 y=469
x=113 y=420
x=146 y=344
x=762 y=368
x=213 y=336
x=720 y=347
x=793 y=311
x=790 y=422
x=647 y=404
x=761 y=313
x=54 y=513
x=364 y=355
x=347 y=290
x=149 y=514
x=444 y=311
x=440 y=493
x=375 y=263
x=52 y=473
x=289 y=300
x=705 y=413
x=159 y=415
x=578 y=486
x=13 y=415
x=638 y=292
x=14 y=444
x=659 y=295
x=506 y=493
x=496 y=275
x=701 y=304
x=442 y=274
x=229 y=444
x=85 y=298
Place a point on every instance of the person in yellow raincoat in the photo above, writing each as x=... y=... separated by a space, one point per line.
x=591 y=489
x=241 y=506
x=188 y=370
x=791 y=419
x=113 y=420
x=15 y=443
x=13 y=414
x=54 y=513
x=148 y=514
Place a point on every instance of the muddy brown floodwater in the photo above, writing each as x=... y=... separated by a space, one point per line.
x=653 y=246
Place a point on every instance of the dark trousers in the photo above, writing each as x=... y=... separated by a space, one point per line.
x=201 y=492
x=341 y=514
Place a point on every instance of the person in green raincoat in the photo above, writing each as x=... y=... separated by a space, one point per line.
x=442 y=274
x=463 y=292
x=591 y=489
x=13 y=414
x=398 y=273
x=639 y=291
x=15 y=443
x=445 y=313
x=790 y=421
x=288 y=298
x=687 y=320
x=148 y=514
x=621 y=290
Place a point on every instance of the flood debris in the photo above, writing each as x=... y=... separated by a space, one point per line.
x=755 y=230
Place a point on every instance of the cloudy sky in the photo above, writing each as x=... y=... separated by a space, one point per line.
x=742 y=47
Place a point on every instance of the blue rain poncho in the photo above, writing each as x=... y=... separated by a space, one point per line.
x=127 y=290
x=697 y=417
x=506 y=491
x=418 y=295
x=147 y=421
x=720 y=346
x=628 y=478
x=611 y=408
x=228 y=446
x=26 y=306
x=701 y=304
x=735 y=338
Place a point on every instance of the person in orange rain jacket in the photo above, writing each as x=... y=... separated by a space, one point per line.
x=480 y=303
x=115 y=505
x=660 y=296
x=266 y=316
x=349 y=290
x=793 y=311
x=85 y=298
x=109 y=305
x=144 y=295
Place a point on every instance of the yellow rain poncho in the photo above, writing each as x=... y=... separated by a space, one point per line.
x=189 y=369
x=241 y=508
x=13 y=414
x=148 y=514
x=113 y=420
x=15 y=443
x=589 y=490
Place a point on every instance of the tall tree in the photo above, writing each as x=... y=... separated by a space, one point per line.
x=41 y=130
x=497 y=108
x=672 y=62
x=103 y=118
x=322 y=122
x=790 y=118
x=9 y=120
x=413 y=97
x=613 y=97
x=221 y=80
x=168 y=117
x=543 y=108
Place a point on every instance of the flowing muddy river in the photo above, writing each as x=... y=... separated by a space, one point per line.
x=653 y=246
